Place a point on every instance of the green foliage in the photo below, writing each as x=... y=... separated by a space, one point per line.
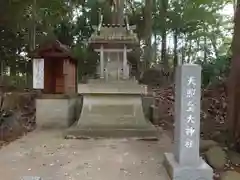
x=199 y=27
x=216 y=70
x=87 y=60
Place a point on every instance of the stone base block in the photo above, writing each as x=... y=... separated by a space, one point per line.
x=112 y=110
x=177 y=172
x=155 y=114
x=147 y=102
x=54 y=112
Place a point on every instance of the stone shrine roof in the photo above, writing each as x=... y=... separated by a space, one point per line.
x=114 y=34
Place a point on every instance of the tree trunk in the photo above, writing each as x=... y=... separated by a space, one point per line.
x=234 y=83
x=2 y=69
x=29 y=76
x=155 y=47
x=183 y=49
x=164 y=34
x=205 y=50
x=164 y=49
x=234 y=5
x=175 y=59
x=148 y=32
x=117 y=13
x=189 y=52
x=175 y=53
x=33 y=36
x=213 y=41
x=120 y=14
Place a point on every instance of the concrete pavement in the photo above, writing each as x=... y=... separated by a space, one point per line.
x=46 y=154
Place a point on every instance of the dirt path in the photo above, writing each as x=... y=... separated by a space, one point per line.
x=46 y=154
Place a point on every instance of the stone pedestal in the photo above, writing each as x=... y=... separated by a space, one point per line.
x=114 y=110
x=185 y=163
x=176 y=171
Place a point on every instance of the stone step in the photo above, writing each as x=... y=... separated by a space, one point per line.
x=118 y=87
x=164 y=175
x=81 y=132
x=31 y=178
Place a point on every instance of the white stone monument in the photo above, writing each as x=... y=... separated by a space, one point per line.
x=38 y=73
x=185 y=163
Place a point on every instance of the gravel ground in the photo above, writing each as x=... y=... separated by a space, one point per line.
x=46 y=154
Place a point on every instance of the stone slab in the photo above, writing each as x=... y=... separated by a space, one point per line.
x=31 y=178
x=178 y=172
x=83 y=133
x=111 y=87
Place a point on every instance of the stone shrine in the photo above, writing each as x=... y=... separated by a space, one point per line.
x=113 y=52
x=112 y=105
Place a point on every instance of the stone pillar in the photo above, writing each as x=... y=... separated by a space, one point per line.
x=185 y=163
x=101 y=63
x=125 y=76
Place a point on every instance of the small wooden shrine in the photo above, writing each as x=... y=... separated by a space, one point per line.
x=54 y=69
